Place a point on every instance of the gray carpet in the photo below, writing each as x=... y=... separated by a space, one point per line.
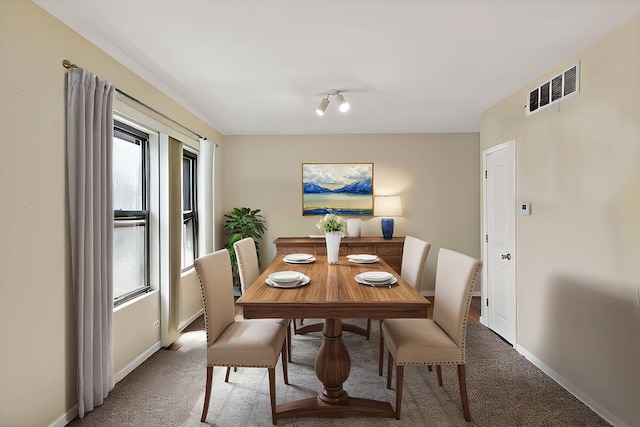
x=504 y=389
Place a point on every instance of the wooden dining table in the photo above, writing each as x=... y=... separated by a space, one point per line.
x=332 y=294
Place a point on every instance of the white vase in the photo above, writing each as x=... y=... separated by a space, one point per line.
x=353 y=227
x=333 y=246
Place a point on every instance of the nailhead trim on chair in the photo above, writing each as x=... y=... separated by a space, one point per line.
x=422 y=264
x=244 y=366
x=204 y=304
x=463 y=342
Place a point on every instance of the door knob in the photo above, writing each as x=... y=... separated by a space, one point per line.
x=507 y=256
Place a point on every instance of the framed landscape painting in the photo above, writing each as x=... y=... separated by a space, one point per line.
x=340 y=188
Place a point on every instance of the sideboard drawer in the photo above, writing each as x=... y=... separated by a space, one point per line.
x=305 y=249
x=388 y=250
x=360 y=249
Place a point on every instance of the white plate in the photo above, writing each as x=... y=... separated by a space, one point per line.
x=285 y=277
x=298 y=257
x=316 y=236
x=304 y=261
x=362 y=258
x=305 y=279
x=389 y=283
x=376 y=276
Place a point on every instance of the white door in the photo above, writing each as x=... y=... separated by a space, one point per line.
x=499 y=292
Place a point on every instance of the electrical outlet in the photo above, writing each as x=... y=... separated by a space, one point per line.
x=155 y=324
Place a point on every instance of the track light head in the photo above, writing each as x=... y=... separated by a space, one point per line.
x=343 y=105
x=323 y=106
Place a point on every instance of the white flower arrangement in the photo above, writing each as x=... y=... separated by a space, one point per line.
x=332 y=222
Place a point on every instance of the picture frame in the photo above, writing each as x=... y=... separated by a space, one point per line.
x=339 y=188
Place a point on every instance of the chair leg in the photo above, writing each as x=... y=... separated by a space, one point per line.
x=207 y=393
x=462 y=380
x=399 y=379
x=285 y=368
x=381 y=361
x=368 y=328
x=289 y=342
x=272 y=393
x=439 y=373
x=226 y=376
x=389 y=369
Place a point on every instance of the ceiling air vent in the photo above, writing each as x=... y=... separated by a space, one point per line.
x=551 y=92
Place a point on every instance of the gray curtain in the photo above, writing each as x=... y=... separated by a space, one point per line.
x=89 y=164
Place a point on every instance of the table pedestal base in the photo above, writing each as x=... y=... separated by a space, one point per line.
x=352 y=406
x=332 y=366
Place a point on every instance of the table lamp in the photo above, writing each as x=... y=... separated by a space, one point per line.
x=387 y=207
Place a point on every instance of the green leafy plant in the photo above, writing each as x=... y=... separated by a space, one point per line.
x=332 y=222
x=241 y=223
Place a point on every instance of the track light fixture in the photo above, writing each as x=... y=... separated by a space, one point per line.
x=343 y=105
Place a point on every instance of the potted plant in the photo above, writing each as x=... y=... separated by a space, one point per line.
x=333 y=227
x=241 y=223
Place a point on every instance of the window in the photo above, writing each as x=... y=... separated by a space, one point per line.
x=189 y=211
x=131 y=213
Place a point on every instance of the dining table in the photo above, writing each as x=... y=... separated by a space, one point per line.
x=332 y=293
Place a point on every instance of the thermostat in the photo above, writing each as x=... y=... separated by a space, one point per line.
x=525 y=208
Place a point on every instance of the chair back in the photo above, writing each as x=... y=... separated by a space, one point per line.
x=247 y=257
x=414 y=257
x=216 y=284
x=456 y=275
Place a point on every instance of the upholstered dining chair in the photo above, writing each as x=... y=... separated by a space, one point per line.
x=440 y=340
x=231 y=342
x=249 y=270
x=414 y=257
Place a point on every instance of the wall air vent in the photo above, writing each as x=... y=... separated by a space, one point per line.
x=551 y=92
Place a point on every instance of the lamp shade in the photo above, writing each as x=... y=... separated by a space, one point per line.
x=387 y=206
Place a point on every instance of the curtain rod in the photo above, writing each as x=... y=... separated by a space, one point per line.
x=68 y=65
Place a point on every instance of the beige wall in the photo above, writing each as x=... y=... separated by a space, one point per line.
x=38 y=359
x=437 y=176
x=578 y=267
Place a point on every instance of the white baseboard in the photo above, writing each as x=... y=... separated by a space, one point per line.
x=137 y=362
x=66 y=418
x=583 y=397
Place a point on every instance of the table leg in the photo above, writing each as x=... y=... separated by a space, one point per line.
x=332 y=363
x=332 y=367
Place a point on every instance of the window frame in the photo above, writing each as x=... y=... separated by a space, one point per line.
x=190 y=214
x=121 y=130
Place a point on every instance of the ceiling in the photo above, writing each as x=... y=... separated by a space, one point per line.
x=258 y=67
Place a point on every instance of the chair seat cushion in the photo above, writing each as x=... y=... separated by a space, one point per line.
x=419 y=342
x=283 y=322
x=248 y=343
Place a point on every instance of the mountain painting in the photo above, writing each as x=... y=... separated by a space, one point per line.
x=339 y=188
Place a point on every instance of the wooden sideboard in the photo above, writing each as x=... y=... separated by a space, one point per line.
x=390 y=250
